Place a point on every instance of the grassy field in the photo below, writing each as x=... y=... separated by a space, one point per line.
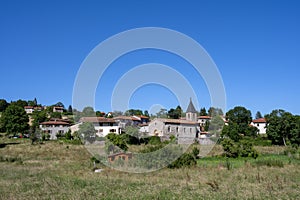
x=55 y=170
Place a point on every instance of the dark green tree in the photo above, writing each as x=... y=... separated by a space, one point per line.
x=239 y=124
x=38 y=117
x=282 y=127
x=203 y=112
x=258 y=115
x=116 y=140
x=70 y=109
x=14 y=120
x=146 y=113
x=20 y=103
x=3 y=105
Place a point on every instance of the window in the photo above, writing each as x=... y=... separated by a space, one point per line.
x=177 y=129
x=184 y=130
x=190 y=130
x=169 y=129
x=112 y=130
x=100 y=130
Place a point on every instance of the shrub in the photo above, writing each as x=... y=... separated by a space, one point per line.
x=185 y=160
x=154 y=140
x=243 y=148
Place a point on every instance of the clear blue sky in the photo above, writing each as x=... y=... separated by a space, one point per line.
x=255 y=45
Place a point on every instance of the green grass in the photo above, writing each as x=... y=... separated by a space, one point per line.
x=53 y=171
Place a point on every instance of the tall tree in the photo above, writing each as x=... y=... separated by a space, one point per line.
x=212 y=111
x=239 y=124
x=283 y=127
x=70 y=109
x=14 y=120
x=162 y=113
x=258 y=115
x=3 y=105
x=146 y=113
x=203 y=112
x=38 y=117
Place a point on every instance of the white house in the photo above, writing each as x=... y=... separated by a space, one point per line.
x=203 y=119
x=54 y=127
x=261 y=124
x=102 y=125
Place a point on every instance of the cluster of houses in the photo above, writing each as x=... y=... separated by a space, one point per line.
x=184 y=129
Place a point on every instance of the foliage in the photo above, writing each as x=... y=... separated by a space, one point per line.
x=133 y=135
x=59 y=104
x=14 y=120
x=132 y=112
x=21 y=103
x=3 y=105
x=55 y=115
x=115 y=140
x=154 y=140
x=212 y=111
x=258 y=115
x=70 y=109
x=87 y=131
x=238 y=125
x=175 y=113
x=283 y=127
x=203 y=112
x=243 y=148
x=162 y=113
x=38 y=117
x=186 y=159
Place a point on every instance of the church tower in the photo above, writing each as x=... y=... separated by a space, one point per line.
x=191 y=113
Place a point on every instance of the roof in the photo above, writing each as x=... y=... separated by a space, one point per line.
x=176 y=121
x=191 y=107
x=28 y=107
x=204 y=117
x=259 y=120
x=55 y=123
x=123 y=117
x=97 y=119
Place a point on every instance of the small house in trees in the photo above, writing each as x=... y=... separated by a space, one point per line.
x=58 y=109
x=102 y=125
x=261 y=124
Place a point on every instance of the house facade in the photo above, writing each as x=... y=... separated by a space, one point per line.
x=185 y=130
x=102 y=125
x=54 y=127
x=260 y=124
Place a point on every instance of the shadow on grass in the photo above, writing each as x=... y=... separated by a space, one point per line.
x=2 y=145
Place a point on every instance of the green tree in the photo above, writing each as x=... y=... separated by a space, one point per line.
x=132 y=112
x=175 y=113
x=70 y=109
x=134 y=132
x=14 y=120
x=212 y=111
x=282 y=127
x=162 y=113
x=146 y=113
x=59 y=104
x=116 y=140
x=239 y=124
x=55 y=115
x=87 y=131
x=3 y=105
x=203 y=112
x=258 y=115
x=38 y=117
x=20 y=103
x=88 y=112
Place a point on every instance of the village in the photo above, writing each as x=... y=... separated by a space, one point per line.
x=186 y=129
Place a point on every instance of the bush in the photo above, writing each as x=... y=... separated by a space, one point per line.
x=185 y=160
x=243 y=148
x=154 y=140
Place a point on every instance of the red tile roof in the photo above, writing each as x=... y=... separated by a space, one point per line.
x=97 y=119
x=204 y=117
x=259 y=120
x=55 y=123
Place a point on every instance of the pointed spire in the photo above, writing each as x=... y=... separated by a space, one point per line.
x=191 y=107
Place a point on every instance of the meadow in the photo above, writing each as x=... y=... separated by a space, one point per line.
x=59 y=170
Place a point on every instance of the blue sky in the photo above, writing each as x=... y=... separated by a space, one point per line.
x=255 y=45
